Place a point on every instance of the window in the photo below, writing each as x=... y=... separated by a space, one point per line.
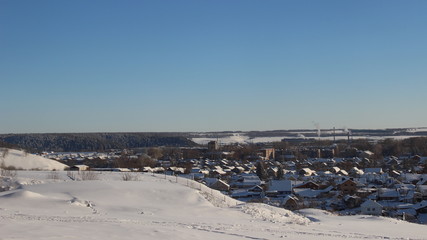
x=368 y=209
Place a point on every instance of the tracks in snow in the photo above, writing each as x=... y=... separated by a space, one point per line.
x=236 y=230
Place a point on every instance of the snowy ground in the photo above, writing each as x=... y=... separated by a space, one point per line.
x=52 y=206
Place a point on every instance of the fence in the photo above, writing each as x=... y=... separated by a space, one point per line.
x=214 y=196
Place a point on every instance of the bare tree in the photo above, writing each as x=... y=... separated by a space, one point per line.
x=155 y=152
x=88 y=175
x=128 y=176
x=4 y=152
x=146 y=161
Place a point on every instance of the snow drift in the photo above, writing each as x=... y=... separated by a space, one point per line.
x=11 y=158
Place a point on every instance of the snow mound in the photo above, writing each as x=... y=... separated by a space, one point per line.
x=273 y=214
x=22 y=160
x=80 y=203
x=23 y=194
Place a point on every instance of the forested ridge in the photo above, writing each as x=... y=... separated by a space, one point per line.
x=80 y=142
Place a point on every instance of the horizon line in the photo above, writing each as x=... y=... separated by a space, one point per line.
x=220 y=131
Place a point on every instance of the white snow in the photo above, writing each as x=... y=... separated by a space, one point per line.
x=156 y=207
x=237 y=138
x=243 y=139
x=22 y=160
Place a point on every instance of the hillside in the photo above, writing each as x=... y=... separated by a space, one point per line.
x=152 y=207
x=15 y=159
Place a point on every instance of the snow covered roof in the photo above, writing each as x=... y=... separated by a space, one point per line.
x=374 y=170
x=371 y=203
x=280 y=186
x=420 y=205
x=307 y=192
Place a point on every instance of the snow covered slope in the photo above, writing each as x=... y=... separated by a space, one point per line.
x=157 y=208
x=21 y=160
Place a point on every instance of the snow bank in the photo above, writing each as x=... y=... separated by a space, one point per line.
x=273 y=214
x=23 y=194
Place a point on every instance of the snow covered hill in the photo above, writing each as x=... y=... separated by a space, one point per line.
x=22 y=160
x=48 y=207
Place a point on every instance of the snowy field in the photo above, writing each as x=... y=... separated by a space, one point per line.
x=50 y=205
x=244 y=139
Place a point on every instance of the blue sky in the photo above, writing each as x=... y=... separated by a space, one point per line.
x=101 y=66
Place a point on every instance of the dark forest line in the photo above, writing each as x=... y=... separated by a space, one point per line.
x=81 y=142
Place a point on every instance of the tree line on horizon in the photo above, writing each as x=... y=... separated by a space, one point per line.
x=83 y=142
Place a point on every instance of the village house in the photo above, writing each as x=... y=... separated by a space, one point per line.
x=309 y=184
x=291 y=202
x=352 y=201
x=347 y=186
x=306 y=172
x=245 y=181
x=387 y=194
x=370 y=207
x=249 y=194
x=220 y=185
x=278 y=188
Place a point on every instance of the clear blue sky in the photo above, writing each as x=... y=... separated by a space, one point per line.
x=89 y=66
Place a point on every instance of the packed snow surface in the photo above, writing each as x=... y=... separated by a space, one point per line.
x=52 y=206
x=22 y=160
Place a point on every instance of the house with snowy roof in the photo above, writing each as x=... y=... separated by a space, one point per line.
x=370 y=207
x=306 y=172
x=245 y=181
x=220 y=185
x=347 y=186
x=279 y=188
x=248 y=194
x=308 y=184
x=291 y=202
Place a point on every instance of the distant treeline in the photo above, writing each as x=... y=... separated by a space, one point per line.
x=81 y=142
